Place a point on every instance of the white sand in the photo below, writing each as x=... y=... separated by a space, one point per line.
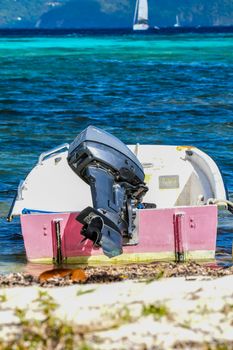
x=111 y=315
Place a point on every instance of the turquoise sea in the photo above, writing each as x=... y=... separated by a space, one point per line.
x=164 y=89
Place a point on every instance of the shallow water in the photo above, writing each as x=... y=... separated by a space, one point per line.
x=166 y=89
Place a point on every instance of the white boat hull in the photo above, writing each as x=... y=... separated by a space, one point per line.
x=140 y=26
x=175 y=176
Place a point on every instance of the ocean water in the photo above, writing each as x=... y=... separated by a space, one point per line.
x=162 y=89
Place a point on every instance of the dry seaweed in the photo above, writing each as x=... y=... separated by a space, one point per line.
x=114 y=273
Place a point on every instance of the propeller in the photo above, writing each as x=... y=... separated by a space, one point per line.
x=101 y=230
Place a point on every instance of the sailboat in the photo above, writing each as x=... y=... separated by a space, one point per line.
x=141 y=15
x=177 y=24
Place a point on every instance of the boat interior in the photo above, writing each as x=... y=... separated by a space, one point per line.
x=175 y=176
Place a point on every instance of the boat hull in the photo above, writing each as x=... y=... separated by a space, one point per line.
x=175 y=234
x=140 y=26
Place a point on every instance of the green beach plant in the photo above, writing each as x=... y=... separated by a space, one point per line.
x=48 y=333
x=3 y=298
x=157 y=311
x=83 y=292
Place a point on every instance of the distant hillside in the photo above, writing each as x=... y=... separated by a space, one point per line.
x=111 y=13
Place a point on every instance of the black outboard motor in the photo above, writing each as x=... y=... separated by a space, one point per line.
x=116 y=178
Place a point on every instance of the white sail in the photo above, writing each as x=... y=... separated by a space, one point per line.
x=143 y=11
x=141 y=15
x=177 y=24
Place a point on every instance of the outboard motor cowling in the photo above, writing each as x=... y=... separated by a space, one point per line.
x=116 y=178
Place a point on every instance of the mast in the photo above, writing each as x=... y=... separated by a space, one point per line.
x=135 y=12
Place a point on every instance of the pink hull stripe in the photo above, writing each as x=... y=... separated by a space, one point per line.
x=180 y=229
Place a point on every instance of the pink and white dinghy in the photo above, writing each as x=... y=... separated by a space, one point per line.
x=100 y=201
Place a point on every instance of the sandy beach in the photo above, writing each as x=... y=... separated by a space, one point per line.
x=187 y=312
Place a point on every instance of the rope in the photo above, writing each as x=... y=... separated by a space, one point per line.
x=221 y=202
